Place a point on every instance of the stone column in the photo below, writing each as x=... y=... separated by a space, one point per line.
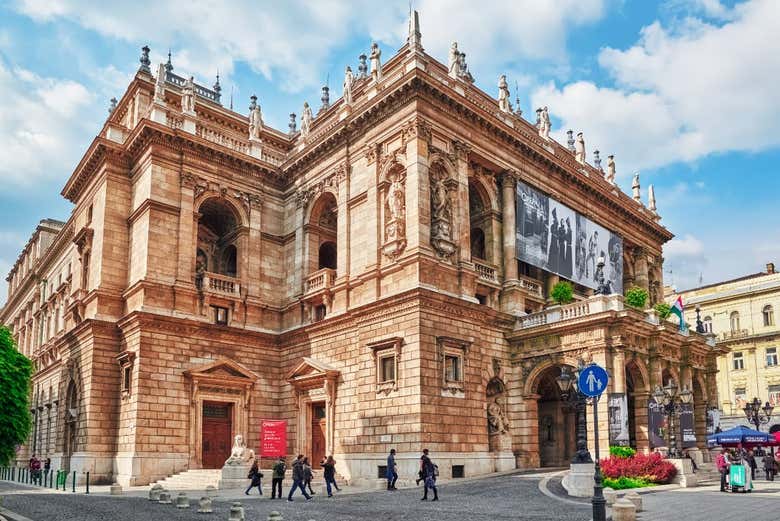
x=187 y=230
x=299 y=270
x=619 y=370
x=642 y=432
x=512 y=300
x=418 y=194
x=343 y=222
x=253 y=274
x=640 y=269
x=526 y=440
x=462 y=219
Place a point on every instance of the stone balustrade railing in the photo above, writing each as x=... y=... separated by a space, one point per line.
x=739 y=333
x=219 y=137
x=532 y=286
x=223 y=284
x=486 y=272
x=575 y=310
x=320 y=279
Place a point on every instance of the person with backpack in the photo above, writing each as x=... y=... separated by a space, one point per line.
x=392 y=471
x=299 y=478
x=256 y=476
x=277 y=476
x=723 y=464
x=429 y=473
x=329 y=473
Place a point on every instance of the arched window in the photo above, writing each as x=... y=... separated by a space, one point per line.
x=708 y=324
x=218 y=235
x=478 y=243
x=769 y=315
x=734 y=321
x=229 y=262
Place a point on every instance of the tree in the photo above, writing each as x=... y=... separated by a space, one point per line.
x=663 y=309
x=636 y=297
x=562 y=292
x=15 y=420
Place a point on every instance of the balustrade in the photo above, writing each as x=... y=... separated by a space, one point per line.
x=320 y=279
x=222 y=284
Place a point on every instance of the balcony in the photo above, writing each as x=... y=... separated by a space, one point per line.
x=736 y=334
x=486 y=272
x=221 y=284
x=322 y=279
x=575 y=310
x=532 y=286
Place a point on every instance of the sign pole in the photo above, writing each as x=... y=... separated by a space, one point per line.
x=598 y=501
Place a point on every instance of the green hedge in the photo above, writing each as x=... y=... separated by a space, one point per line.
x=621 y=452
x=624 y=482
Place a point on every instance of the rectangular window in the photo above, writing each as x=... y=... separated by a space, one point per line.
x=387 y=368
x=774 y=394
x=740 y=394
x=453 y=368
x=127 y=378
x=220 y=315
x=739 y=362
x=771 y=356
x=458 y=471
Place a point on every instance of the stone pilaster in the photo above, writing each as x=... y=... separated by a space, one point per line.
x=511 y=296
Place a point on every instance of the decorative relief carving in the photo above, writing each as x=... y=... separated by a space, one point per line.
x=441 y=210
x=416 y=128
x=462 y=149
x=395 y=213
x=329 y=183
x=371 y=152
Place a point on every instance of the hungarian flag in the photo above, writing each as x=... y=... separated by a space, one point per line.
x=677 y=309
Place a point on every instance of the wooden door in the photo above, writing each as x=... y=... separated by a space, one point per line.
x=217 y=429
x=317 y=434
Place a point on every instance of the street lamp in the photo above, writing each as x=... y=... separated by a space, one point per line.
x=573 y=398
x=753 y=412
x=672 y=400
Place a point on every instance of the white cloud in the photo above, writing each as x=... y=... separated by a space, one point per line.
x=291 y=42
x=687 y=246
x=681 y=95
x=43 y=128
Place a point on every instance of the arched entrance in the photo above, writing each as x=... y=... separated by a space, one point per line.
x=638 y=395
x=557 y=427
x=71 y=424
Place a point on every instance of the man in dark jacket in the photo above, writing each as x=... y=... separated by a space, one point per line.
x=428 y=470
x=392 y=473
x=299 y=478
x=277 y=477
x=770 y=466
x=751 y=460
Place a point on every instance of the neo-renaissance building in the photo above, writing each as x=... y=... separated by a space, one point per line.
x=379 y=279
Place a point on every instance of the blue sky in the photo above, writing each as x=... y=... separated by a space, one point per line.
x=682 y=91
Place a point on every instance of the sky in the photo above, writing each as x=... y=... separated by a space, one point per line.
x=683 y=92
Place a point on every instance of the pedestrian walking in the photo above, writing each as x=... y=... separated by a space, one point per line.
x=308 y=475
x=255 y=477
x=751 y=461
x=299 y=478
x=770 y=466
x=722 y=463
x=329 y=472
x=392 y=471
x=35 y=468
x=277 y=476
x=430 y=472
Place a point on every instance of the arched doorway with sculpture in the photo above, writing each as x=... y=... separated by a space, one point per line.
x=69 y=440
x=556 y=417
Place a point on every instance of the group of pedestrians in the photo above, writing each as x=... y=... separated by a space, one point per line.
x=35 y=464
x=302 y=476
x=749 y=460
x=428 y=474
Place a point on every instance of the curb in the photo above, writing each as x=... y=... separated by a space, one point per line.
x=6 y=514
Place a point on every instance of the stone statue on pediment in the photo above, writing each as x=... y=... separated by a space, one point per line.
x=376 y=63
x=453 y=64
x=503 y=95
x=635 y=188
x=349 y=80
x=497 y=423
x=544 y=124
x=188 y=96
x=610 y=176
x=306 y=119
x=579 y=149
x=255 y=119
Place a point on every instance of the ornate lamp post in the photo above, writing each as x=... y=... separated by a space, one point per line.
x=671 y=402
x=753 y=412
x=567 y=383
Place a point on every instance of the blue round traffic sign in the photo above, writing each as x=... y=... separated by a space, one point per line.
x=593 y=380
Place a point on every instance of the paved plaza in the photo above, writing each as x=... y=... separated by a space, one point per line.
x=500 y=498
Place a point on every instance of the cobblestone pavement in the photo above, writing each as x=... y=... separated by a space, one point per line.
x=708 y=504
x=490 y=499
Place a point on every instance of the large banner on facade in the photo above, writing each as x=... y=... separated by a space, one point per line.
x=656 y=424
x=273 y=438
x=554 y=237
x=617 y=407
x=687 y=425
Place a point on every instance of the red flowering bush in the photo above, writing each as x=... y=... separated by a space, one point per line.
x=652 y=467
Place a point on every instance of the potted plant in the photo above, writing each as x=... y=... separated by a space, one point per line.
x=562 y=292
x=636 y=297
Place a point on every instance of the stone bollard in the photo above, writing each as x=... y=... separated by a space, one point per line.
x=154 y=492
x=116 y=489
x=164 y=498
x=275 y=516
x=636 y=499
x=211 y=491
x=236 y=512
x=182 y=501
x=623 y=510
x=204 y=505
x=610 y=495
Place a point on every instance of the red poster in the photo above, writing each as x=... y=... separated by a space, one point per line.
x=273 y=438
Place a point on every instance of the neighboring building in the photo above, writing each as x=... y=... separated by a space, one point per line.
x=742 y=314
x=359 y=279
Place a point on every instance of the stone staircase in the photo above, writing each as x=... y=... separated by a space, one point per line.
x=194 y=479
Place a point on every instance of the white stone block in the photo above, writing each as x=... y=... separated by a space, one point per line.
x=579 y=481
x=610 y=495
x=623 y=510
x=116 y=489
x=636 y=499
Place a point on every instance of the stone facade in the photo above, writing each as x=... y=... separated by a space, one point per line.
x=358 y=281
x=740 y=313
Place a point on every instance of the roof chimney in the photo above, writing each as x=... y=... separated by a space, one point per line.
x=770 y=267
